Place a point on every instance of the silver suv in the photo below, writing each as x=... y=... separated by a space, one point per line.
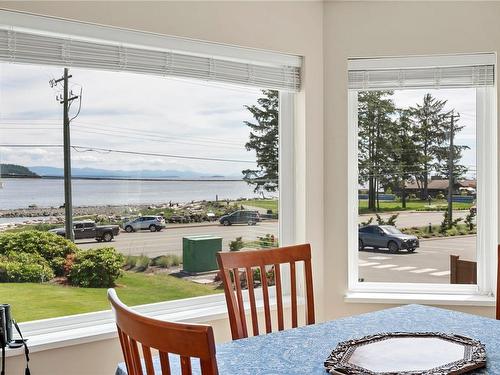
x=153 y=223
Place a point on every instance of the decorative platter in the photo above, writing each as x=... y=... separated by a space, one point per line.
x=407 y=353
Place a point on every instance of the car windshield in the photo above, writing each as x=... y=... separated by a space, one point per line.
x=391 y=230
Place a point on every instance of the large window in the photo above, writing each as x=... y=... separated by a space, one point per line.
x=165 y=171
x=425 y=219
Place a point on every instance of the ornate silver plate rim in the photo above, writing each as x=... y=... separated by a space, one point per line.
x=474 y=358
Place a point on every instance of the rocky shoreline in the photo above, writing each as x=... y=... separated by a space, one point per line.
x=78 y=211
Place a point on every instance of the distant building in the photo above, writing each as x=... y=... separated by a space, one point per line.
x=439 y=185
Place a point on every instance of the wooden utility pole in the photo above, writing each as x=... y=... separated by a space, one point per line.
x=65 y=100
x=451 y=169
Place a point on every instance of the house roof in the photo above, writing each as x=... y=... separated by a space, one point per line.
x=441 y=184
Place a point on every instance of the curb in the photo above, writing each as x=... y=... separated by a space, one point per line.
x=447 y=237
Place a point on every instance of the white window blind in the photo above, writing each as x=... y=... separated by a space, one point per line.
x=33 y=48
x=429 y=75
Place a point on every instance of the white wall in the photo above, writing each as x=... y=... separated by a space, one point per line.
x=371 y=29
x=326 y=35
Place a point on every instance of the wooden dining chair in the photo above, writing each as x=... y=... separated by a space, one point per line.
x=230 y=265
x=185 y=340
x=498 y=284
x=462 y=271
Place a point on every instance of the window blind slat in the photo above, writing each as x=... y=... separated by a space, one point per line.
x=23 y=47
x=443 y=77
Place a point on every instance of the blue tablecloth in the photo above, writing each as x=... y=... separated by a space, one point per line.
x=303 y=350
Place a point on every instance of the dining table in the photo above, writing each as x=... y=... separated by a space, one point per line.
x=303 y=350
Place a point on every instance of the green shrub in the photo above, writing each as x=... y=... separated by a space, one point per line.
x=96 y=268
x=46 y=244
x=268 y=241
x=24 y=268
x=130 y=261
x=167 y=261
x=237 y=244
x=142 y=263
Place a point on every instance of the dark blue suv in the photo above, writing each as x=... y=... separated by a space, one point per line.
x=386 y=236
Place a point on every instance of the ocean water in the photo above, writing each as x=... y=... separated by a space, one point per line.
x=20 y=193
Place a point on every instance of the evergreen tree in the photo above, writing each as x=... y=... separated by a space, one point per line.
x=375 y=121
x=403 y=158
x=431 y=118
x=265 y=142
x=442 y=152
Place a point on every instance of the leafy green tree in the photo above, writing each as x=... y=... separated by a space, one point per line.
x=431 y=119
x=375 y=120
x=265 y=142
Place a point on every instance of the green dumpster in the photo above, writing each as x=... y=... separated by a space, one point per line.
x=198 y=253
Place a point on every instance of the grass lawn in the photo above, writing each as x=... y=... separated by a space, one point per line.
x=418 y=205
x=39 y=301
x=268 y=204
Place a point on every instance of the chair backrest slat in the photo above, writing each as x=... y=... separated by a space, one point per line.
x=186 y=340
x=148 y=360
x=164 y=363
x=186 y=365
x=265 y=295
x=310 y=315
x=264 y=260
x=239 y=298
x=279 y=296
x=251 y=297
x=293 y=294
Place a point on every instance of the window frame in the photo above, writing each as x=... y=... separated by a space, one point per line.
x=487 y=217
x=197 y=309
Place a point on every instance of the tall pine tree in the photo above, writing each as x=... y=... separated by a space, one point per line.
x=375 y=122
x=430 y=119
x=265 y=142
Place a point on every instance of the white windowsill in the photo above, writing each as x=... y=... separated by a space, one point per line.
x=85 y=328
x=421 y=298
x=71 y=330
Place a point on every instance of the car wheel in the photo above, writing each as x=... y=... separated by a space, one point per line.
x=129 y=229
x=411 y=250
x=226 y=223
x=393 y=247
x=361 y=246
x=152 y=228
x=107 y=237
x=250 y=222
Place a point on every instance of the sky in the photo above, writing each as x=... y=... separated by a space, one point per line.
x=141 y=113
x=125 y=111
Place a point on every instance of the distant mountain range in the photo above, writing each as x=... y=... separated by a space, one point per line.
x=45 y=171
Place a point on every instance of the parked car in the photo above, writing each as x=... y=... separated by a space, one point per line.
x=240 y=217
x=386 y=236
x=153 y=223
x=89 y=229
x=178 y=219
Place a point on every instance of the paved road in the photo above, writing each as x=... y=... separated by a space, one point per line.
x=429 y=264
x=416 y=218
x=169 y=241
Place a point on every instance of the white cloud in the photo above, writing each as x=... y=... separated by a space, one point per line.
x=128 y=112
